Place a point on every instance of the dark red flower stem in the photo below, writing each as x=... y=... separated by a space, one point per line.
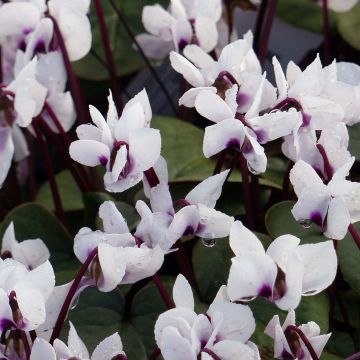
x=326 y=30
x=148 y=63
x=69 y=297
x=265 y=34
x=1 y=65
x=26 y=344
x=211 y=353
x=63 y=150
x=50 y=172
x=220 y=162
x=247 y=193
x=82 y=112
x=305 y=340
x=259 y=25
x=157 y=281
x=111 y=66
x=151 y=177
x=354 y=234
x=155 y=354
x=286 y=181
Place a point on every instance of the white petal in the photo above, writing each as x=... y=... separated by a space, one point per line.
x=42 y=350
x=211 y=106
x=6 y=314
x=189 y=97
x=121 y=159
x=229 y=350
x=183 y=66
x=154 y=47
x=253 y=152
x=198 y=56
x=251 y=275
x=112 y=219
x=112 y=343
x=6 y=152
x=338 y=219
x=182 y=33
x=243 y=241
x=227 y=133
x=75 y=344
x=206 y=33
x=320 y=265
x=88 y=132
x=89 y=152
x=160 y=199
x=182 y=293
x=341 y=6
x=123 y=183
x=281 y=82
x=156 y=20
x=208 y=191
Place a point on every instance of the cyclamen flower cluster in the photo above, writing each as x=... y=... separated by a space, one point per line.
x=308 y=110
x=33 y=71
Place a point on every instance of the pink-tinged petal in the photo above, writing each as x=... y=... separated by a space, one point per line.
x=242 y=240
x=338 y=219
x=209 y=8
x=200 y=332
x=123 y=183
x=8 y=240
x=254 y=153
x=62 y=351
x=32 y=316
x=238 y=321
x=251 y=275
x=231 y=98
x=341 y=6
x=313 y=205
x=183 y=66
x=141 y=263
x=319 y=342
x=173 y=346
x=145 y=147
x=256 y=104
x=120 y=161
x=189 y=97
x=112 y=219
x=113 y=266
x=206 y=33
x=281 y=82
x=198 y=56
x=89 y=152
x=76 y=30
x=18 y=18
x=153 y=46
x=281 y=345
x=303 y=175
x=161 y=170
x=160 y=199
x=21 y=150
x=211 y=106
x=170 y=318
x=88 y=132
x=6 y=316
x=229 y=350
x=320 y=265
x=157 y=21
x=6 y=152
x=182 y=33
x=280 y=249
x=76 y=345
x=213 y=224
x=293 y=283
x=228 y=133
x=177 y=9
x=275 y=125
x=270 y=327
x=208 y=191
x=111 y=346
x=185 y=222
x=182 y=293
x=42 y=350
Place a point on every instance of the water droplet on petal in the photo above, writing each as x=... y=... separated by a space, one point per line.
x=305 y=223
x=208 y=242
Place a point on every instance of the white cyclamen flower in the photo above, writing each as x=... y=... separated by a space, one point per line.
x=288 y=345
x=225 y=329
x=120 y=259
x=333 y=206
x=184 y=23
x=283 y=273
x=126 y=147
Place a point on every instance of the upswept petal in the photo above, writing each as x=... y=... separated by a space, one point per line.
x=113 y=221
x=189 y=97
x=42 y=350
x=89 y=152
x=157 y=21
x=198 y=56
x=182 y=33
x=109 y=348
x=206 y=32
x=338 y=219
x=6 y=152
x=281 y=83
x=182 y=293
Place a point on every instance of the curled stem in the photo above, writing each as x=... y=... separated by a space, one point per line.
x=70 y=295
x=211 y=353
x=305 y=340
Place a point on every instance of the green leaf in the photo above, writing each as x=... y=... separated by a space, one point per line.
x=304 y=14
x=127 y=59
x=279 y=221
x=341 y=343
x=348 y=24
x=354 y=140
x=349 y=260
x=33 y=221
x=70 y=193
x=275 y=170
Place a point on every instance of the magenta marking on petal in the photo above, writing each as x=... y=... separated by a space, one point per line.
x=265 y=291
x=286 y=355
x=5 y=324
x=233 y=143
x=6 y=255
x=181 y=44
x=103 y=160
x=242 y=99
x=189 y=230
x=316 y=218
x=22 y=45
x=306 y=119
x=40 y=46
x=260 y=135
